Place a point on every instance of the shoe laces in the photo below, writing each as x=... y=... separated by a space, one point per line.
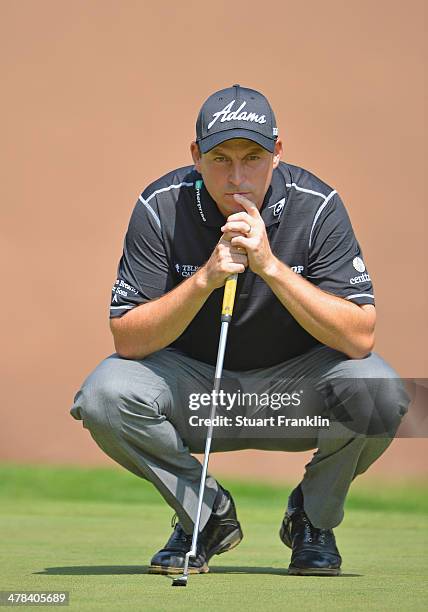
x=307 y=528
x=322 y=536
x=180 y=533
x=311 y=531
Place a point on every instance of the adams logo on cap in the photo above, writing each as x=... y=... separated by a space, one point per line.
x=227 y=114
x=236 y=112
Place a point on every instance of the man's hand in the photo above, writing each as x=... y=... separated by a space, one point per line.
x=246 y=231
x=226 y=259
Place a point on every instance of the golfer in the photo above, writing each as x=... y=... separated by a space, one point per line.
x=302 y=332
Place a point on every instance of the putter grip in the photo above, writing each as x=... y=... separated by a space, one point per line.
x=229 y=297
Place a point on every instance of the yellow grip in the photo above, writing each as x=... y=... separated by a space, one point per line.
x=229 y=295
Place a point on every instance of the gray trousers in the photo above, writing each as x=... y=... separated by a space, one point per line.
x=137 y=412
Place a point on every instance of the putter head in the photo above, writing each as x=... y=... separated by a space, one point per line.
x=180 y=581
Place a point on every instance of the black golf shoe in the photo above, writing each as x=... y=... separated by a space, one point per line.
x=221 y=533
x=314 y=550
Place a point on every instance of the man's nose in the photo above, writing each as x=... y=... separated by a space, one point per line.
x=236 y=174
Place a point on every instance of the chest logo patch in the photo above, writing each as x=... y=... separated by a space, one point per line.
x=278 y=208
x=298 y=269
x=185 y=270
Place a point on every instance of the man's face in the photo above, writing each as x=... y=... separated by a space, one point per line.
x=236 y=166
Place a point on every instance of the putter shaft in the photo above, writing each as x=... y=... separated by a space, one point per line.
x=226 y=316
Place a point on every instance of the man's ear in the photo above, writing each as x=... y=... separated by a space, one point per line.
x=277 y=153
x=196 y=155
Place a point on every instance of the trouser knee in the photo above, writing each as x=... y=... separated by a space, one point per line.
x=95 y=401
x=124 y=398
x=369 y=406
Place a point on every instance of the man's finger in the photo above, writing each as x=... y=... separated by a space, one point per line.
x=241 y=242
x=238 y=251
x=237 y=226
x=239 y=216
x=229 y=235
x=249 y=206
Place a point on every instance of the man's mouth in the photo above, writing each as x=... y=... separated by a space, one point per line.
x=242 y=193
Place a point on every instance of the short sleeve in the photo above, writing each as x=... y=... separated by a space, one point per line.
x=336 y=263
x=143 y=273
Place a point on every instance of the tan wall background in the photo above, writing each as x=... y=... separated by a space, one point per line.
x=100 y=96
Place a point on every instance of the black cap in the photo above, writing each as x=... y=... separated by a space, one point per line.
x=236 y=112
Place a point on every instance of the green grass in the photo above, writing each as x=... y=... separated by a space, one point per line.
x=93 y=531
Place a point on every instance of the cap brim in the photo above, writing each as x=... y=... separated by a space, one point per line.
x=211 y=141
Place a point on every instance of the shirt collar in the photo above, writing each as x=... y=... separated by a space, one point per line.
x=271 y=210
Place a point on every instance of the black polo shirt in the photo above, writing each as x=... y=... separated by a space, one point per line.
x=174 y=228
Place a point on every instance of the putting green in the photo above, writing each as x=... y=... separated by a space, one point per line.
x=92 y=532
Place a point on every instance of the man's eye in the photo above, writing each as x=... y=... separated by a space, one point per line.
x=253 y=157
x=219 y=158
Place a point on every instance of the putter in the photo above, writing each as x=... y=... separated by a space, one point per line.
x=226 y=316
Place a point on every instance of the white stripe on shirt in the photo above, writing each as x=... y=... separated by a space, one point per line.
x=152 y=195
x=360 y=295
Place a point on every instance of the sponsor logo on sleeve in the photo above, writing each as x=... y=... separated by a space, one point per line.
x=123 y=289
x=363 y=278
x=358 y=264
